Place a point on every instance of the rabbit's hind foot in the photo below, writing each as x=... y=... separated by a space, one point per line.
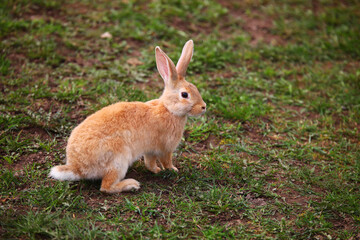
x=110 y=183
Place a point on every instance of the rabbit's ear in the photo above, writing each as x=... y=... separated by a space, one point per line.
x=185 y=58
x=165 y=67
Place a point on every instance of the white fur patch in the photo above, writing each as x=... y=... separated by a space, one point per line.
x=63 y=175
x=131 y=184
x=130 y=187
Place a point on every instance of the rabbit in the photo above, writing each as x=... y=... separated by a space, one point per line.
x=109 y=141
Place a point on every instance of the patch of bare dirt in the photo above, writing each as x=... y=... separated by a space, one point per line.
x=32 y=153
x=255 y=201
x=35 y=11
x=79 y=60
x=236 y=222
x=36 y=132
x=345 y=223
x=190 y=27
x=259 y=27
x=135 y=45
x=46 y=105
x=292 y=197
x=17 y=60
x=210 y=143
x=78 y=8
x=26 y=160
x=52 y=106
x=300 y=113
x=248 y=157
x=225 y=217
x=259 y=30
x=352 y=66
x=253 y=133
x=30 y=159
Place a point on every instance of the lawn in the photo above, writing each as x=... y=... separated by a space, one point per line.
x=276 y=156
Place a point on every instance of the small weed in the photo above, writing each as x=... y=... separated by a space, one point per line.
x=4 y=65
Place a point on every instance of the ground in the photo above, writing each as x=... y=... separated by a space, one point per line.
x=276 y=156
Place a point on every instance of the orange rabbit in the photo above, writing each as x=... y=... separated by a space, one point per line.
x=109 y=141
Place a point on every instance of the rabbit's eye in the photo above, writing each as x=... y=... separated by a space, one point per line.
x=184 y=94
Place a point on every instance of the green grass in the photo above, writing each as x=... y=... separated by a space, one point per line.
x=276 y=156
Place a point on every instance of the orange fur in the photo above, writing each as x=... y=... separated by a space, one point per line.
x=106 y=143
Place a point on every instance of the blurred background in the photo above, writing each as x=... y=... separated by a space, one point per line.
x=275 y=157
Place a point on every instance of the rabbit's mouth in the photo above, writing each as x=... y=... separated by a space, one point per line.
x=197 y=110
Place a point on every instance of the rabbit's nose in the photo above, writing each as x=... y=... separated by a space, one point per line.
x=203 y=107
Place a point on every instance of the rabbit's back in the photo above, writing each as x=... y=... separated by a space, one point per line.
x=128 y=128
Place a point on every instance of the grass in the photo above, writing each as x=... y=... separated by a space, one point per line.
x=275 y=157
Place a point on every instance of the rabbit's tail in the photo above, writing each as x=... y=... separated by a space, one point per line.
x=64 y=172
